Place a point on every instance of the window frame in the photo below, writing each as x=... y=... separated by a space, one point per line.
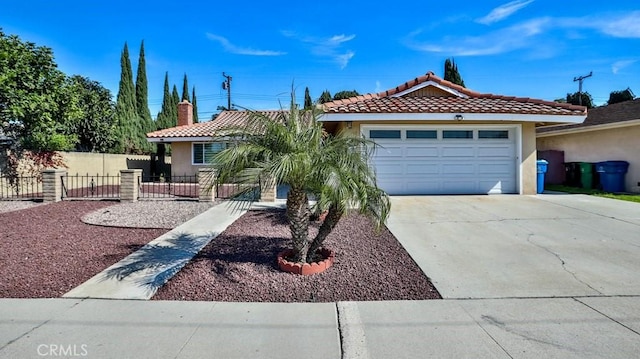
x=204 y=154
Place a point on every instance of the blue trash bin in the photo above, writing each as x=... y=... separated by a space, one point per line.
x=612 y=175
x=542 y=166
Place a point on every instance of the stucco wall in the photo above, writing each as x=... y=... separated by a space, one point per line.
x=181 y=160
x=603 y=145
x=105 y=163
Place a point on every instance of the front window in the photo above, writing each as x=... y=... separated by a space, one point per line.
x=202 y=153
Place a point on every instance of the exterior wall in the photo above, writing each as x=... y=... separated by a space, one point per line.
x=617 y=144
x=429 y=91
x=528 y=173
x=181 y=160
x=105 y=163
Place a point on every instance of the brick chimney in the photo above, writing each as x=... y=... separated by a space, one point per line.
x=185 y=113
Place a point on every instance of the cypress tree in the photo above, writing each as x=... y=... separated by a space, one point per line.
x=325 y=97
x=185 y=89
x=308 y=104
x=126 y=112
x=168 y=112
x=175 y=99
x=142 y=97
x=195 y=105
x=451 y=73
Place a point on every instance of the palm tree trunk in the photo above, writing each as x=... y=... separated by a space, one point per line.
x=332 y=219
x=298 y=214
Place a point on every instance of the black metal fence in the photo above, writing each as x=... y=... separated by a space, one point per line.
x=20 y=188
x=176 y=187
x=90 y=186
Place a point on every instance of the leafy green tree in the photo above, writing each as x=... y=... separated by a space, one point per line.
x=195 y=105
x=308 y=104
x=294 y=149
x=582 y=99
x=341 y=95
x=96 y=127
x=620 y=96
x=142 y=96
x=451 y=72
x=36 y=103
x=185 y=89
x=325 y=97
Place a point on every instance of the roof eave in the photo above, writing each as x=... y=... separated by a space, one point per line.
x=581 y=129
x=515 y=117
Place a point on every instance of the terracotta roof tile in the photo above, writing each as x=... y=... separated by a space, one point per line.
x=208 y=129
x=381 y=103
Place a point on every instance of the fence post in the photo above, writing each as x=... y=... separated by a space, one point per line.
x=129 y=185
x=268 y=188
x=207 y=184
x=52 y=184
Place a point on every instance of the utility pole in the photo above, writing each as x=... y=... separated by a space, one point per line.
x=226 y=85
x=580 y=79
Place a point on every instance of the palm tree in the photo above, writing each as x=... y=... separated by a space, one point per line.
x=294 y=149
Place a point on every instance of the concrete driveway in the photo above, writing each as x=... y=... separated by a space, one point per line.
x=522 y=246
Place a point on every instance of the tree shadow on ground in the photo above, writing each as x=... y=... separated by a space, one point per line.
x=153 y=265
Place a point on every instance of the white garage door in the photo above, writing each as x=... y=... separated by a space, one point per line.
x=445 y=160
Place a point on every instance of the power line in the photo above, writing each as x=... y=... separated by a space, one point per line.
x=580 y=79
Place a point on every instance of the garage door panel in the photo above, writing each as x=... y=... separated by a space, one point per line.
x=389 y=151
x=386 y=168
x=430 y=151
x=422 y=168
x=495 y=168
x=458 y=168
x=460 y=151
x=422 y=187
x=495 y=151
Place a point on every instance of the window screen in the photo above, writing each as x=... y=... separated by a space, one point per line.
x=422 y=134
x=493 y=134
x=204 y=152
x=384 y=134
x=453 y=134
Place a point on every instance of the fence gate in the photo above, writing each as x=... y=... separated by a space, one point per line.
x=90 y=186
x=21 y=188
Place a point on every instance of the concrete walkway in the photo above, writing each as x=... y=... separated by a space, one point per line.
x=606 y=327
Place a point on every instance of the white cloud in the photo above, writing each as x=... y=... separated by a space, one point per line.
x=619 y=65
x=327 y=47
x=378 y=87
x=229 y=47
x=495 y=42
x=503 y=11
x=626 y=26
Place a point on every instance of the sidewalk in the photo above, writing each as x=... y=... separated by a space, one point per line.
x=595 y=327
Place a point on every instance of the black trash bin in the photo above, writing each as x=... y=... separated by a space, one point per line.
x=612 y=175
x=572 y=174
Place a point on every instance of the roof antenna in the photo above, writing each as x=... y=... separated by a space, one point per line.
x=580 y=79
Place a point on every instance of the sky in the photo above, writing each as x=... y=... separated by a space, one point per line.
x=526 y=48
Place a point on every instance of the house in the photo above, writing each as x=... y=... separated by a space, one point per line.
x=435 y=137
x=609 y=133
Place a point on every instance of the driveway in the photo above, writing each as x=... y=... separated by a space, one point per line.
x=522 y=246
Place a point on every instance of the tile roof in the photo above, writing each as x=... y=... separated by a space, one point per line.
x=616 y=113
x=473 y=102
x=208 y=129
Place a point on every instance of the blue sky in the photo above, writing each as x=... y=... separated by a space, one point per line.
x=530 y=48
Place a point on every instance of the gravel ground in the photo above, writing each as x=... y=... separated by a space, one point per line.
x=46 y=250
x=239 y=265
x=147 y=214
x=10 y=206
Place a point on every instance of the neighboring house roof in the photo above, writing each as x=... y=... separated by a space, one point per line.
x=204 y=130
x=620 y=114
